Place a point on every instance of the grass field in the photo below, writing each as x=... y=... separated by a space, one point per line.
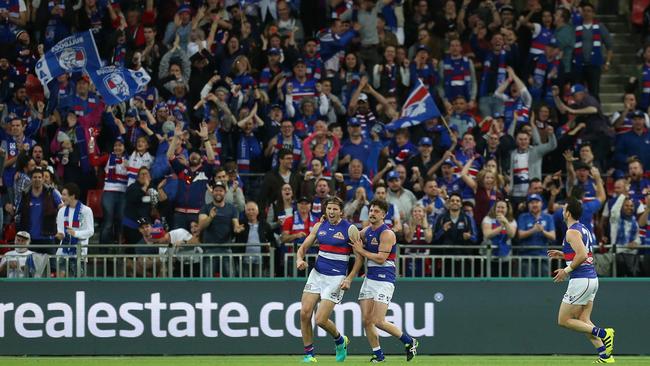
x=323 y=360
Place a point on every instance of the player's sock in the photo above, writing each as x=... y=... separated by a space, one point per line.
x=338 y=339
x=601 y=352
x=598 y=332
x=379 y=353
x=309 y=350
x=406 y=339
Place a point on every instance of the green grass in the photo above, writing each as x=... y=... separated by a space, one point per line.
x=323 y=360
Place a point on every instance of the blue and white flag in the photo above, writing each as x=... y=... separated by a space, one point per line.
x=419 y=107
x=117 y=84
x=72 y=54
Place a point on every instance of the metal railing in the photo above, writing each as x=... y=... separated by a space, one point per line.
x=218 y=260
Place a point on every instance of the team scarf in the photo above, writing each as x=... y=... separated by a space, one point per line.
x=296 y=148
x=457 y=77
x=541 y=41
x=596 y=54
x=542 y=84
x=249 y=148
x=390 y=72
x=622 y=238
x=299 y=224
x=111 y=167
x=645 y=87
x=501 y=70
x=70 y=241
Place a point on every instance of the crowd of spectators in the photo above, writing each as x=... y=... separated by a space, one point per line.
x=258 y=110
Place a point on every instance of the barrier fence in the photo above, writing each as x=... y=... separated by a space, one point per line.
x=237 y=261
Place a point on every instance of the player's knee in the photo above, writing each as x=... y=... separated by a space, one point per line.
x=305 y=314
x=321 y=321
x=368 y=322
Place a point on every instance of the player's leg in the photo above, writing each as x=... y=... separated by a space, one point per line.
x=323 y=320
x=379 y=318
x=367 y=313
x=308 y=303
x=585 y=316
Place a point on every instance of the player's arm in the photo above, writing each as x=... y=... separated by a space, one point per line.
x=309 y=241
x=574 y=238
x=353 y=234
x=386 y=242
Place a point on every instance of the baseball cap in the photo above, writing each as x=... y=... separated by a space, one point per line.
x=274 y=51
x=363 y=97
x=119 y=139
x=423 y=48
x=219 y=184
x=24 y=234
x=426 y=141
x=298 y=61
x=304 y=199
x=183 y=8
x=533 y=197
x=552 y=42
x=131 y=112
x=638 y=114
x=448 y=162
x=392 y=175
x=577 y=88
x=354 y=122
x=509 y=8
x=497 y=115
x=143 y=221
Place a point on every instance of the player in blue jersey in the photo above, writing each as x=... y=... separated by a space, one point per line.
x=377 y=243
x=327 y=281
x=578 y=301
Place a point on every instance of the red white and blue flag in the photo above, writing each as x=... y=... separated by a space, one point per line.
x=419 y=107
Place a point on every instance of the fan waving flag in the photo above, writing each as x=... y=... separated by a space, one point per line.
x=117 y=84
x=75 y=53
x=419 y=107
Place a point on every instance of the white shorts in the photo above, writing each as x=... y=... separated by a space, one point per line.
x=580 y=291
x=328 y=287
x=380 y=291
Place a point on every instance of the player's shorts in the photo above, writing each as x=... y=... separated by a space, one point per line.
x=380 y=291
x=328 y=287
x=580 y=291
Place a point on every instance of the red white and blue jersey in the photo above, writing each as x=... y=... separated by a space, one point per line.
x=334 y=251
x=379 y=272
x=586 y=269
x=301 y=90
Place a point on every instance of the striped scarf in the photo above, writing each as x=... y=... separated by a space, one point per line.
x=623 y=237
x=596 y=56
x=542 y=84
x=70 y=241
x=295 y=147
x=248 y=149
x=299 y=224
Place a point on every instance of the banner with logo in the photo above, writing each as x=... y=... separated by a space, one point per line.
x=418 y=107
x=117 y=84
x=121 y=317
x=75 y=53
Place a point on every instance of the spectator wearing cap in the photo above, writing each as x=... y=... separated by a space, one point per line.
x=622 y=120
x=234 y=192
x=535 y=228
x=37 y=212
x=546 y=71
x=254 y=233
x=401 y=149
x=181 y=26
x=447 y=180
x=274 y=179
x=193 y=177
x=578 y=174
x=218 y=222
x=565 y=36
x=360 y=108
x=624 y=232
x=589 y=59
x=424 y=67
x=458 y=76
x=86 y=104
x=272 y=73
x=299 y=86
x=115 y=183
x=14 y=263
x=633 y=143
x=74 y=226
x=296 y=227
x=401 y=197
x=494 y=74
x=356 y=146
x=421 y=163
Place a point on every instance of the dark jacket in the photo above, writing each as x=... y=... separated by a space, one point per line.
x=272 y=187
x=264 y=231
x=454 y=236
x=49 y=212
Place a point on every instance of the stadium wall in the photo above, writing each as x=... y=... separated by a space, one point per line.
x=177 y=316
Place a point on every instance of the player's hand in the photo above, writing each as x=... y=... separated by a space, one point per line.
x=555 y=254
x=345 y=284
x=560 y=275
x=301 y=264
x=356 y=244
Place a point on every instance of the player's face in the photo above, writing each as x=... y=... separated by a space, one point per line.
x=333 y=212
x=376 y=215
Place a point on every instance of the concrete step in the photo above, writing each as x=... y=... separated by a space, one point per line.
x=614 y=79
x=611 y=88
x=618 y=27
x=609 y=108
x=604 y=18
x=624 y=69
x=610 y=97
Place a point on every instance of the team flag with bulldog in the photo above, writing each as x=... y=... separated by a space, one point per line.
x=419 y=107
x=72 y=54
x=117 y=84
